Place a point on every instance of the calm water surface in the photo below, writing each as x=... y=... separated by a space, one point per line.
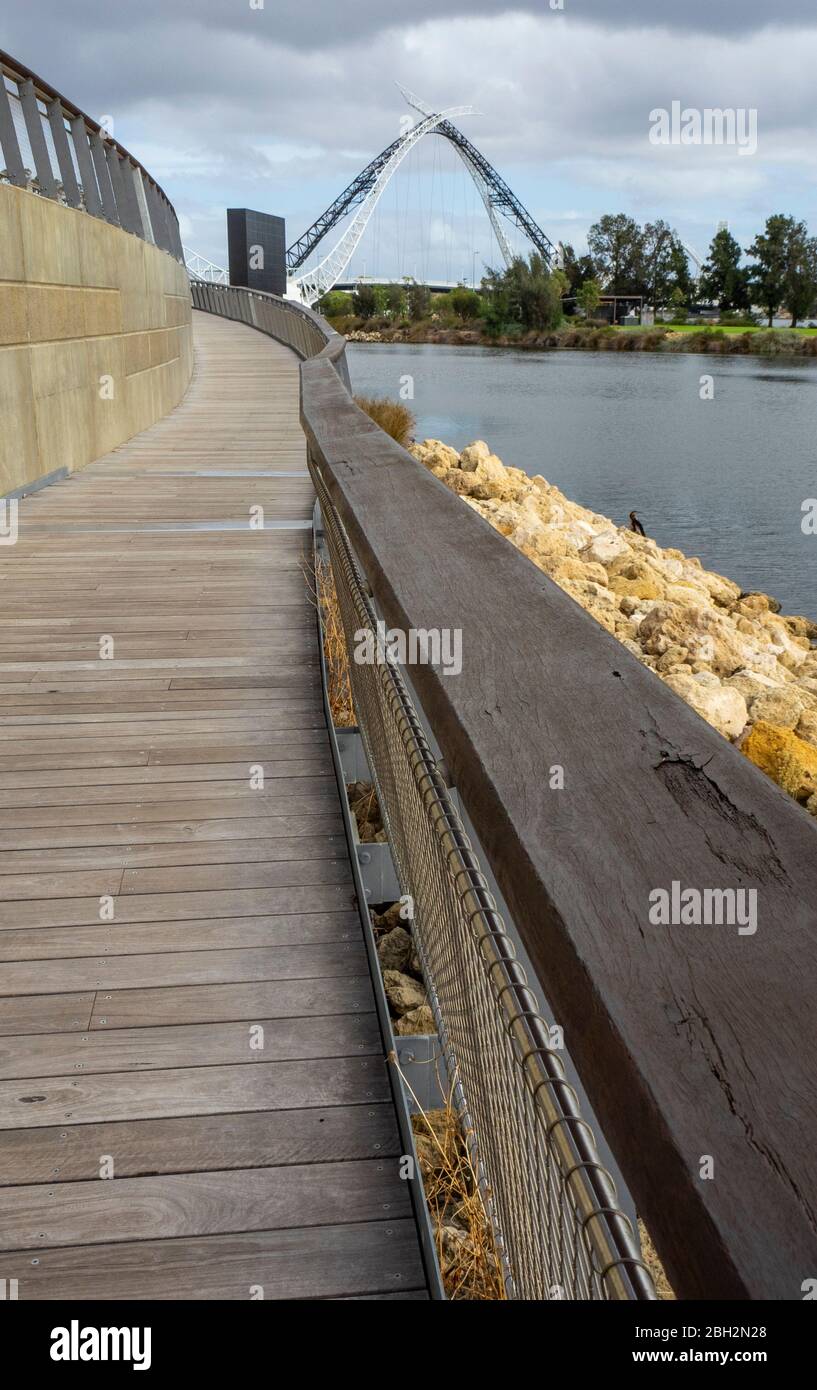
x=723 y=479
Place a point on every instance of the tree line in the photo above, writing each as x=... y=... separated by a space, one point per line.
x=624 y=258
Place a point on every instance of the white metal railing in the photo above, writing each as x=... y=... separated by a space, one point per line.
x=199 y=268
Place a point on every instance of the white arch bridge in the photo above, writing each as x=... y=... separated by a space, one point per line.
x=364 y=192
x=362 y=195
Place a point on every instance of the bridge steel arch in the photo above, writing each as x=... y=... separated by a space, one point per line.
x=365 y=191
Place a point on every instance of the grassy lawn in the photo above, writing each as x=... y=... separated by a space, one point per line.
x=712 y=327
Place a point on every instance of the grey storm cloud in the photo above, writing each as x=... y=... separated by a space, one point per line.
x=42 y=27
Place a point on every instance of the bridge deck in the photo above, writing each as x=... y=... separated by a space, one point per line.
x=131 y=1045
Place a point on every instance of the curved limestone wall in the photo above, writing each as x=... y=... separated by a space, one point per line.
x=95 y=337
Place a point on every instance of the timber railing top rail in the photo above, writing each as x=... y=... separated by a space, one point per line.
x=694 y=1042
x=55 y=149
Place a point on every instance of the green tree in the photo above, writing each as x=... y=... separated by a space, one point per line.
x=465 y=303
x=682 y=283
x=364 y=301
x=616 y=248
x=369 y=301
x=723 y=280
x=800 y=294
x=527 y=293
x=498 y=310
x=334 y=304
x=664 y=265
x=770 y=250
x=419 y=301
x=576 y=268
x=588 y=297
x=396 y=302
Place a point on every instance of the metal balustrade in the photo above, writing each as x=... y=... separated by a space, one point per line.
x=50 y=147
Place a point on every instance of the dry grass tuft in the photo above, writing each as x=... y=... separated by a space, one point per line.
x=365 y=808
x=650 y=1257
x=392 y=416
x=463 y=1235
x=321 y=584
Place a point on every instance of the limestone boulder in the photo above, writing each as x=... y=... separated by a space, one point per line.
x=709 y=637
x=392 y=917
x=720 y=705
x=687 y=594
x=752 y=683
x=646 y=588
x=402 y=992
x=788 y=759
x=434 y=454
x=723 y=591
x=801 y=627
x=674 y=658
x=473 y=455
x=395 y=949
x=752 y=604
x=807 y=727
x=595 y=600
x=572 y=567
x=604 y=548
x=547 y=546
x=579 y=532
x=419 y=1020
x=782 y=707
x=493 y=478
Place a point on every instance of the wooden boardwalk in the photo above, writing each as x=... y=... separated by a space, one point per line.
x=163 y=915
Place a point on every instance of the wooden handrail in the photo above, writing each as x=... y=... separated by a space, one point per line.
x=693 y=1042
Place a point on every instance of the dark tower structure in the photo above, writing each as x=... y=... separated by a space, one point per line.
x=256 y=243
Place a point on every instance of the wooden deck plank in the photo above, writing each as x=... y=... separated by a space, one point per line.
x=189 y=967
x=190 y=1045
x=196 y=1204
x=195 y=828
x=188 y=852
x=218 y=1036
x=195 y=1143
x=175 y=907
x=220 y=933
x=47 y=1100
x=178 y=878
x=315 y=1262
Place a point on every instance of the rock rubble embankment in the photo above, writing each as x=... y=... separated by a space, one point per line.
x=749 y=670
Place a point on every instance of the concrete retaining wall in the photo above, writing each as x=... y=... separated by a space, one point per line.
x=95 y=337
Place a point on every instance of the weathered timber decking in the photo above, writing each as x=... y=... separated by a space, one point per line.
x=128 y=1042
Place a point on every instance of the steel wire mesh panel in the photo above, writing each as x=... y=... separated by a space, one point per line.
x=553 y=1207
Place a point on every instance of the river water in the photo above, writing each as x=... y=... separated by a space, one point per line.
x=723 y=479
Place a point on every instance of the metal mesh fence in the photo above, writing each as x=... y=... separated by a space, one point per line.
x=552 y=1204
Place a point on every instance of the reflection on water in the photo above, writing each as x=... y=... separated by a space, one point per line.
x=724 y=479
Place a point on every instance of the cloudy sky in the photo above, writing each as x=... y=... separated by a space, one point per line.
x=277 y=104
